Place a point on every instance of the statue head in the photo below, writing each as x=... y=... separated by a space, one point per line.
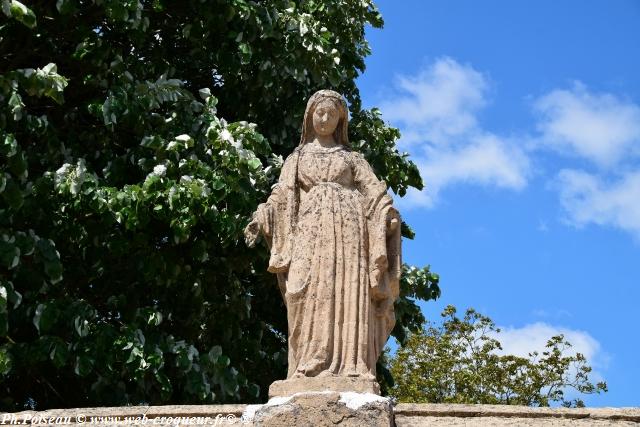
x=324 y=100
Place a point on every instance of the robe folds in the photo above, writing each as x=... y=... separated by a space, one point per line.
x=338 y=265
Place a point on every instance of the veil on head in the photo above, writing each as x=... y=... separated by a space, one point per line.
x=341 y=132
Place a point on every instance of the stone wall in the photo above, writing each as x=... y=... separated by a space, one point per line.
x=406 y=415
x=440 y=415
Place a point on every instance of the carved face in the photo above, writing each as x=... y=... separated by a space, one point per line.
x=325 y=117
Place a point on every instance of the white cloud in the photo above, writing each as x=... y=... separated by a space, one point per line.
x=588 y=198
x=600 y=127
x=440 y=101
x=534 y=337
x=482 y=159
x=603 y=129
x=436 y=111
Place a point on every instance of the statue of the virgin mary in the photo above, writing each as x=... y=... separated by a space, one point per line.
x=334 y=238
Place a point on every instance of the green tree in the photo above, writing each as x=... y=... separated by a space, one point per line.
x=459 y=361
x=136 y=136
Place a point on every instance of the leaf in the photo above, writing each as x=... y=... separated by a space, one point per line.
x=50 y=68
x=47 y=249
x=254 y=163
x=51 y=259
x=12 y=194
x=5 y=360
x=14 y=297
x=18 y=165
x=165 y=384
x=53 y=269
x=26 y=243
x=136 y=353
x=254 y=390
x=153 y=142
x=83 y=365
x=245 y=52
x=215 y=353
x=22 y=13
x=155 y=318
x=217 y=184
x=6 y=7
x=45 y=317
x=9 y=146
x=59 y=353
x=224 y=361
x=4 y=318
x=66 y=7
x=204 y=93
x=9 y=254
x=81 y=326
x=16 y=104
x=38 y=315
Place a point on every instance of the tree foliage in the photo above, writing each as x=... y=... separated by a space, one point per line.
x=135 y=139
x=459 y=361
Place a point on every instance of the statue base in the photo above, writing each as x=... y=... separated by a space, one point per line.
x=323 y=409
x=292 y=386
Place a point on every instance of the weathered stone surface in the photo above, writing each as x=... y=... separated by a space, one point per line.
x=326 y=409
x=449 y=415
x=347 y=408
x=314 y=384
x=334 y=238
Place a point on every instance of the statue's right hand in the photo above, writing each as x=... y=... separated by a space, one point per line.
x=252 y=232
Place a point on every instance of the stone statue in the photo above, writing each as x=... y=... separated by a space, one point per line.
x=335 y=240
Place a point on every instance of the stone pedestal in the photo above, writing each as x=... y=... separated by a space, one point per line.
x=323 y=409
x=292 y=386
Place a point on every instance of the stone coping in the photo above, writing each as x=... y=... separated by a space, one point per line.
x=443 y=410
x=401 y=410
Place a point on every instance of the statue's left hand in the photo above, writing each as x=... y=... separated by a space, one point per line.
x=393 y=221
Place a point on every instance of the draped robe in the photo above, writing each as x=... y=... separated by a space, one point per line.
x=338 y=266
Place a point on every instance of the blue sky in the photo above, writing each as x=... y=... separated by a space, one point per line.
x=524 y=118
